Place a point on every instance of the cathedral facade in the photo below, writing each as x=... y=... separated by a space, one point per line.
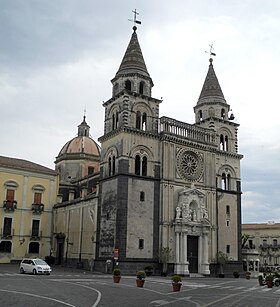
x=165 y=184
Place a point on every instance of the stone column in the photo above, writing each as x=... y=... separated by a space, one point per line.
x=177 y=247
x=185 y=259
x=177 y=255
x=205 y=264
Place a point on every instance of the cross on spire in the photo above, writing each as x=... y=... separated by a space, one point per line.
x=211 y=50
x=134 y=20
x=85 y=114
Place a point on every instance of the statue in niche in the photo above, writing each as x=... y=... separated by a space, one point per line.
x=204 y=211
x=178 y=212
x=194 y=216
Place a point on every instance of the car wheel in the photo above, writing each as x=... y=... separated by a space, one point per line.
x=34 y=271
x=277 y=283
x=21 y=271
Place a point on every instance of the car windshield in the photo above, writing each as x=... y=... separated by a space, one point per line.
x=40 y=262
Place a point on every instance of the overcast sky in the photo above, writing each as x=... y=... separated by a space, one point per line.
x=57 y=58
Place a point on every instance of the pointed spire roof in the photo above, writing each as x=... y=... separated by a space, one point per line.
x=133 y=61
x=211 y=87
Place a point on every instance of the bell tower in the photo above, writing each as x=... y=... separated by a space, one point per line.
x=212 y=111
x=129 y=183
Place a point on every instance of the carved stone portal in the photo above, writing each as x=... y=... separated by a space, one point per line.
x=191 y=219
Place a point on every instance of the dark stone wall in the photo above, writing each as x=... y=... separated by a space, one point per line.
x=156 y=219
x=107 y=217
x=239 y=219
x=121 y=221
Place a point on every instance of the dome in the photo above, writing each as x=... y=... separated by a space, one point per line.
x=81 y=144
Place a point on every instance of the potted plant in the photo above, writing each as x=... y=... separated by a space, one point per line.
x=165 y=256
x=176 y=282
x=248 y=275
x=116 y=275
x=236 y=274
x=148 y=270
x=269 y=280
x=261 y=280
x=222 y=259
x=140 y=278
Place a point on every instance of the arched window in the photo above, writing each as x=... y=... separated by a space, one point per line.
x=137 y=165
x=110 y=166
x=113 y=122
x=128 y=85
x=144 y=121
x=226 y=143
x=200 y=115
x=223 y=113
x=224 y=181
x=144 y=166
x=114 y=166
x=117 y=119
x=141 y=120
x=222 y=142
x=228 y=182
x=141 y=87
x=141 y=165
x=138 y=120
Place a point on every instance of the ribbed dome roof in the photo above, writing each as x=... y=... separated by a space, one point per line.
x=81 y=144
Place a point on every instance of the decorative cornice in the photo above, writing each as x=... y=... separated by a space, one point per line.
x=130 y=93
x=150 y=134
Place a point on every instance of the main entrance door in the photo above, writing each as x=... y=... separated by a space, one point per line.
x=193 y=254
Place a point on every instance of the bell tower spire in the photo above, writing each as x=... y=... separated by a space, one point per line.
x=211 y=102
x=132 y=104
x=133 y=74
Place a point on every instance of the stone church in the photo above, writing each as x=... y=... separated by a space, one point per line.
x=165 y=183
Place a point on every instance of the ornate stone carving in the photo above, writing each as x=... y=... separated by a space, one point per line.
x=191 y=207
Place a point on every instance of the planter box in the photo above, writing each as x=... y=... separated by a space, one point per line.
x=176 y=286
x=140 y=282
x=116 y=279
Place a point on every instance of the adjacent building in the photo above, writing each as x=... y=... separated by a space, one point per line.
x=28 y=192
x=75 y=214
x=265 y=239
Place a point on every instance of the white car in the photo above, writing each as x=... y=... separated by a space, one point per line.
x=34 y=266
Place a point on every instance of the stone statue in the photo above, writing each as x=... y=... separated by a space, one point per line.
x=178 y=212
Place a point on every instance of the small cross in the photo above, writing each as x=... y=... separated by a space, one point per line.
x=85 y=113
x=134 y=20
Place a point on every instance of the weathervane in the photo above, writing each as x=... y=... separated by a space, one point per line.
x=134 y=20
x=211 y=50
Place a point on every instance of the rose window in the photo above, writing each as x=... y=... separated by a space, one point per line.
x=189 y=165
